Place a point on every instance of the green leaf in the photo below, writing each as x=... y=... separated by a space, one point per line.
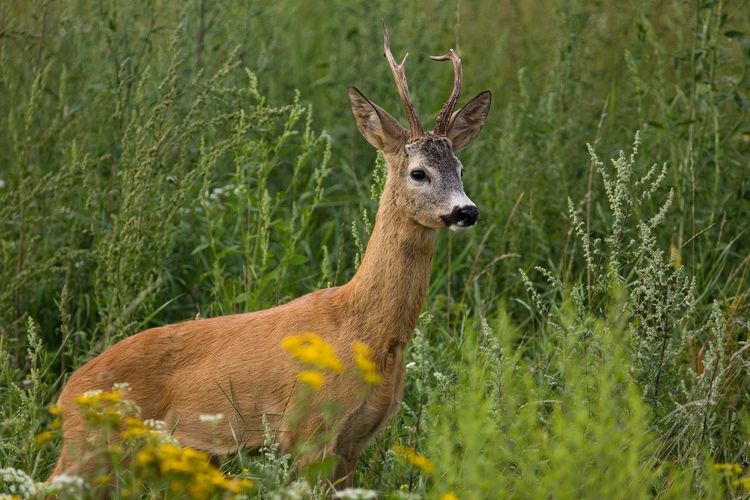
x=200 y=247
x=733 y=34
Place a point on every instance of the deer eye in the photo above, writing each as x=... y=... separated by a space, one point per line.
x=462 y=173
x=418 y=175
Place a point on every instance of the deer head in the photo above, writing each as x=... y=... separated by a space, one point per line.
x=424 y=175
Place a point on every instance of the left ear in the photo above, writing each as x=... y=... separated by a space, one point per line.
x=467 y=122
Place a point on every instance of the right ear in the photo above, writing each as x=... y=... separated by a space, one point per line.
x=377 y=126
x=467 y=122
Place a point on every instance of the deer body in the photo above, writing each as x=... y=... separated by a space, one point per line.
x=235 y=364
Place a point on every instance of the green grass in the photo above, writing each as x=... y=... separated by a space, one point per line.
x=162 y=160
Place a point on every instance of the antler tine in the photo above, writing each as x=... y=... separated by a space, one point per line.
x=441 y=127
x=415 y=124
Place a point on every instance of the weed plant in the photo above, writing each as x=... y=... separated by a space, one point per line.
x=163 y=161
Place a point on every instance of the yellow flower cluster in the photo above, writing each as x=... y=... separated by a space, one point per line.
x=313 y=378
x=56 y=411
x=414 y=458
x=731 y=470
x=94 y=398
x=367 y=368
x=43 y=438
x=188 y=470
x=449 y=496
x=311 y=349
x=96 y=410
x=135 y=427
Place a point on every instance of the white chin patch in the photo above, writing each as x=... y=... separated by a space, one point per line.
x=459 y=228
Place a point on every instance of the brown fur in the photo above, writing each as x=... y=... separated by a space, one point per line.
x=181 y=371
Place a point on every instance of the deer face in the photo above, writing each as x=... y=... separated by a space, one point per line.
x=432 y=192
x=424 y=175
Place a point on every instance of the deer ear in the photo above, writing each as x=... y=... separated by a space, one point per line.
x=467 y=122
x=379 y=128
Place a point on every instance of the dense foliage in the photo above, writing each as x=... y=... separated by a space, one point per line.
x=165 y=160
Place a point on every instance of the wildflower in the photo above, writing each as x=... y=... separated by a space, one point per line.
x=414 y=458
x=55 y=410
x=743 y=481
x=91 y=398
x=55 y=424
x=145 y=456
x=18 y=482
x=310 y=348
x=367 y=368
x=187 y=470
x=65 y=482
x=730 y=469
x=135 y=427
x=107 y=416
x=356 y=494
x=43 y=438
x=449 y=496
x=312 y=378
x=211 y=419
x=104 y=479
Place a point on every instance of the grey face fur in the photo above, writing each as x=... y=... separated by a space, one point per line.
x=424 y=173
x=434 y=193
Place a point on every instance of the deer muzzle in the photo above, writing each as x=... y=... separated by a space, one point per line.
x=462 y=217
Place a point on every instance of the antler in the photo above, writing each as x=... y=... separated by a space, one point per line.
x=415 y=124
x=441 y=127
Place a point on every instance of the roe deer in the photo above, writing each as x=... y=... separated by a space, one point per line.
x=178 y=372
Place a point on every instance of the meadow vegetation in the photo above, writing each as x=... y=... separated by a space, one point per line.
x=163 y=161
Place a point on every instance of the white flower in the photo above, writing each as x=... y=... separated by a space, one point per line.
x=357 y=494
x=156 y=425
x=2 y=183
x=211 y=418
x=18 y=481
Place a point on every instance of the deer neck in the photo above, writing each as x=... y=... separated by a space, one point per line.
x=387 y=293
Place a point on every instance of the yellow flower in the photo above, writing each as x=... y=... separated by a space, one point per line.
x=310 y=348
x=84 y=399
x=106 y=478
x=730 y=469
x=449 y=496
x=238 y=485
x=312 y=378
x=187 y=470
x=43 y=438
x=55 y=424
x=414 y=458
x=55 y=410
x=145 y=456
x=744 y=481
x=363 y=359
x=135 y=428
x=95 y=397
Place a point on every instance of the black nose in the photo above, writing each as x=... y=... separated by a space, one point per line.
x=468 y=215
x=461 y=216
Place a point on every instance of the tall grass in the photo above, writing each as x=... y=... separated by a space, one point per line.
x=589 y=339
